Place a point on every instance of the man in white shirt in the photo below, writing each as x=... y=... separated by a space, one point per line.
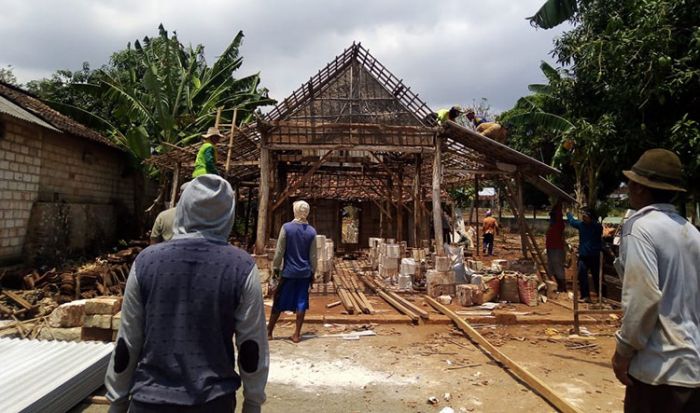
x=658 y=345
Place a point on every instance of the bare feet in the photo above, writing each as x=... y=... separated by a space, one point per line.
x=295 y=338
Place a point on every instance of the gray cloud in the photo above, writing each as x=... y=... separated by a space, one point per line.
x=449 y=51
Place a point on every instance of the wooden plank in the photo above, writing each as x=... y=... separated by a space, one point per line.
x=535 y=383
x=18 y=299
x=333 y=304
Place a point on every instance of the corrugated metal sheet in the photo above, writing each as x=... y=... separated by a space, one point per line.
x=49 y=376
x=17 y=111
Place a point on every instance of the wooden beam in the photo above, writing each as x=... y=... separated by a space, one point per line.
x=399 y=210
x=175 y=189
x=437 y=209
x=291 y=188
x=535 y=383
x=263 y=200
x=369 y=148
x=230 y=139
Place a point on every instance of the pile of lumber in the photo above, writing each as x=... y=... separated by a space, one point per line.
x=106 y=275
x=348 y=289
x=404 y=306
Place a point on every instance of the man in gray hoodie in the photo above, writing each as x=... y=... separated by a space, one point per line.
x=184 y=302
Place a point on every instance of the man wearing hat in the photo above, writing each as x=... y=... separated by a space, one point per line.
x=590 y=233
x=449 y=114
x=206 y=157
x=658 y=345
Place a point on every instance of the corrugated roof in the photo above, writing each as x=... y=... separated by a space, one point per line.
x=16 y=111
x=58 y=120
x=49 y=376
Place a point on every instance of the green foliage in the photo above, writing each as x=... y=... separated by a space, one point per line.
x=158 y=91
x=553 y=13
x=7 y=75
x=629 y=81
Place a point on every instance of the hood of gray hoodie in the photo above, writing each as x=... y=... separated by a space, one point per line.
x=205 y=209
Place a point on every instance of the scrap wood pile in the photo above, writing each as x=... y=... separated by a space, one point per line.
x=106 y=275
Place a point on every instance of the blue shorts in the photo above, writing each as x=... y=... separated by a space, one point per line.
x=293 y=295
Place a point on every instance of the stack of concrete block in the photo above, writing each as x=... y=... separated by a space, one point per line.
x=499 y=265
x=97 y=324
x=469 y=294
x=407 y=272
x=440 y=283
x=475 y=265
x=389 y=260
x=65 y=322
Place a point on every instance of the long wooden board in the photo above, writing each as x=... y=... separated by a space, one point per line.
x=536 y=384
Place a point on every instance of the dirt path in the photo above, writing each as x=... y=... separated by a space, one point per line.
x=401 y=367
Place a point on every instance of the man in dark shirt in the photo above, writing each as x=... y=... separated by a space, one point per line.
x=590 y=234
x=184 y=302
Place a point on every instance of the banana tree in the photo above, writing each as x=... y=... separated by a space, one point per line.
x=553 y=13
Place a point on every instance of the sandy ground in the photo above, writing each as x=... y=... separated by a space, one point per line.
x=402 y=366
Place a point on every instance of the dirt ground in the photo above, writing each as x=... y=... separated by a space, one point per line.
x=402 y=366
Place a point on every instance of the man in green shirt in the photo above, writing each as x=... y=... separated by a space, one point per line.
x=206 y=157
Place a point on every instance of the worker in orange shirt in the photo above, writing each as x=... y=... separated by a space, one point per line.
x=490 y=229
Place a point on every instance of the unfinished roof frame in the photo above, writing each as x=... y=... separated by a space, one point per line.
x=354 y=131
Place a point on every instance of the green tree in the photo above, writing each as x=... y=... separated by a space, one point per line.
x=7 y=75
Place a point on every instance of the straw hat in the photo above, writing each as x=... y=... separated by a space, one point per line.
x=212 y=132
x=659 y=169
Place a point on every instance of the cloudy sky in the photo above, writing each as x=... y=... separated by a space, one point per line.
x=449 y=51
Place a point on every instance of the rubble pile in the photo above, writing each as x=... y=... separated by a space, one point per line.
x=106 y=275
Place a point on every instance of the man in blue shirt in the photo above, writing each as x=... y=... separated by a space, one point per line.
x=296 y=245
x=590 y=233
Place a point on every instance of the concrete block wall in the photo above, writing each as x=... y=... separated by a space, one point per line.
x=40 y=169
x=20 y=167
x=77 y=170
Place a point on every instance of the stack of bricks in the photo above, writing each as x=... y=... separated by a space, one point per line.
x=441 y=280
x=102 y=319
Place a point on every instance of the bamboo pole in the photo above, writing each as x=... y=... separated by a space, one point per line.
x=416 y=203
x=218 y=117
x=230 y=139
x=536 y=384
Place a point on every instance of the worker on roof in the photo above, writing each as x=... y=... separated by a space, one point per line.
x=449 y=114
x=493 y=130
x=475 y=120
x=206 y=157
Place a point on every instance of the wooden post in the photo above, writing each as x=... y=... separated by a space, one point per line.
x=390 y=229
x=247 y=211
x=476 y=208
x=437 y=209
x=263 y=199
x=521 y=209
x=175 y=188
x=230 y=139
x=576 y=313
x=218 y=117
x=399 y=209
x=416 y=204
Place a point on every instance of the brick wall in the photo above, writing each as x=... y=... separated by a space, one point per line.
x=19 y=184
x=40 y=166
